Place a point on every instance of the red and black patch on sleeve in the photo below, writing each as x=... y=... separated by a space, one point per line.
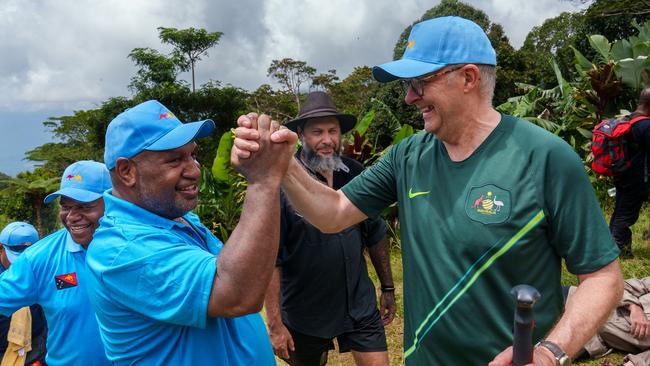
x=66 y=280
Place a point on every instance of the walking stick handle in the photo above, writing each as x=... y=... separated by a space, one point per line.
x=522 y=348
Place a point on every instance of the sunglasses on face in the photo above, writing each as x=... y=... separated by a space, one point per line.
x=417 y=84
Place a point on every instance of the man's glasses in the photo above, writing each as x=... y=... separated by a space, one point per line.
x=417 y=84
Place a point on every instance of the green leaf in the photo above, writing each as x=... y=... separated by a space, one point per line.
x=601 y=45
x=621 y=49
x=629 y=71
x=221 y=166
x=584 y=132
x=560 y=79
x=404 y=132
x=364 y=123
x=641 y=49
x=581 y=62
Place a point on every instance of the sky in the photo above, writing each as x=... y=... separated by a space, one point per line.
x=60 y=56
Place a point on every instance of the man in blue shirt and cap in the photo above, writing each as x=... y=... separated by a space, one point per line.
x=15 y=334
x=51 y=273
x=165 y=290
x=486 y=201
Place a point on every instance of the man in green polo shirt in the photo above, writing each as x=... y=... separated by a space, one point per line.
x=486 y=202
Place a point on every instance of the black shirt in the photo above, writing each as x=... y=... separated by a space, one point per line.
x=638 y=147
x=324 y=278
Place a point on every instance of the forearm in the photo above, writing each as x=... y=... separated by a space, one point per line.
x=333 y=213
x=380 y=258
x=588 y=308
x=272 y=300
x=245 y=264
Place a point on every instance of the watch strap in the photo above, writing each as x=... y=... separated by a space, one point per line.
x=560 y=356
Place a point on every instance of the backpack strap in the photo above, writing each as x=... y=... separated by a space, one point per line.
x=637 y=119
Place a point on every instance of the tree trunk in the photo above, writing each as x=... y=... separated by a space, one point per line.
x=37 y=204
x=193 y=85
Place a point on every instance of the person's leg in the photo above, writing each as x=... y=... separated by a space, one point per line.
x=367 y=342
x=310 y=350
x=630 y=194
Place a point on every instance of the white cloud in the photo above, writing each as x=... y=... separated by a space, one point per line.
x=64 y=55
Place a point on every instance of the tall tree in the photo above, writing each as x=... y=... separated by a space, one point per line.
x=155 y=69
x=291 y=74
x=190 y=44
x=552 y=40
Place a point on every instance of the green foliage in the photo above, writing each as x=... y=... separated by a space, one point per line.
x=291 y=74
x=189 y=45
x=600 y=88
x=32 y=189
x=553 y=39
x=155 y=69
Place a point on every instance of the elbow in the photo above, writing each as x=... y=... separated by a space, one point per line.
x=239 y=306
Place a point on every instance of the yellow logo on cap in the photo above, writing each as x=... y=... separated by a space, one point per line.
x=411 y=43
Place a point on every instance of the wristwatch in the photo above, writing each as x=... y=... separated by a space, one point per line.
x=562 y=358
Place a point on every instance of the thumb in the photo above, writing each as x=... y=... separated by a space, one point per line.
x=284 y=135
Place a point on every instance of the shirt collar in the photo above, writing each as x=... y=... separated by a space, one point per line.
x=71 y=245
x=121 y=209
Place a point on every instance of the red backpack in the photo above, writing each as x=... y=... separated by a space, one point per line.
x=610 y=145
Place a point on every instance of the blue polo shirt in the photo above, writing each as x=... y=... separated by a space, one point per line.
x=150 y=279
x=51 y=273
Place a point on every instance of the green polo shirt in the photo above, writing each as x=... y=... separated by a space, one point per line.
x=472 y=230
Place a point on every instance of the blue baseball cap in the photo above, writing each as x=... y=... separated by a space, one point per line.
x=149 y=126
x=436 y=43
x=83 y=181
x=16 y=237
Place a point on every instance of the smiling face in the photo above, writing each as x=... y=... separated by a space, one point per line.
x=439 y=101
x=167 y=182
x=81 y=219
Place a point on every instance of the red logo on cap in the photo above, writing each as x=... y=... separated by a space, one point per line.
x=166 y=115
x=71 y=177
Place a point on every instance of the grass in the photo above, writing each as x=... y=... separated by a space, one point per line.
x=637 y=267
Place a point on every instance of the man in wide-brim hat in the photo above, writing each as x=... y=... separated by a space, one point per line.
x=322 y=279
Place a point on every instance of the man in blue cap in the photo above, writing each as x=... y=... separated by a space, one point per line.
x=22 y=335
x=52 y=272
x=487 y=201
x=165 y=290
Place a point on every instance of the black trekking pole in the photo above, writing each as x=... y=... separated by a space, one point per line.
x=522 y=346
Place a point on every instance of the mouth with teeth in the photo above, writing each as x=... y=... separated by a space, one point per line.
x=79 y=228
x=190 y=191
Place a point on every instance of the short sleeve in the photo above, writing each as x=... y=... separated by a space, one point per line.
x=17 y=286
x=373 y=230
x=578 y=231
x=375 y=188
x=164 y=279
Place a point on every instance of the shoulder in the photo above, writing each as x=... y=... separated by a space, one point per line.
x=47 y=245
x=528 y=137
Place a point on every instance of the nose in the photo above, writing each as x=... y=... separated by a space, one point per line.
x=192 y=169
x=411 y=96
x=73 y=215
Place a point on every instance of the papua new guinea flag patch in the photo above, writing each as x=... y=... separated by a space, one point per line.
x=66 y=280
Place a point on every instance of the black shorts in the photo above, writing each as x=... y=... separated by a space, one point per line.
x=367 y=335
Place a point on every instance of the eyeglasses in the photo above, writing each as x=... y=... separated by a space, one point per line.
x=417 y=84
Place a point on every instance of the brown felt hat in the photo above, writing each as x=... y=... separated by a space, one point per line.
x=319 y=104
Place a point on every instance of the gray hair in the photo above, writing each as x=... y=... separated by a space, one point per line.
x=488 y=77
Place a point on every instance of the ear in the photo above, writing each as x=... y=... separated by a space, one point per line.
x=472 y=78
x=126 y=171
